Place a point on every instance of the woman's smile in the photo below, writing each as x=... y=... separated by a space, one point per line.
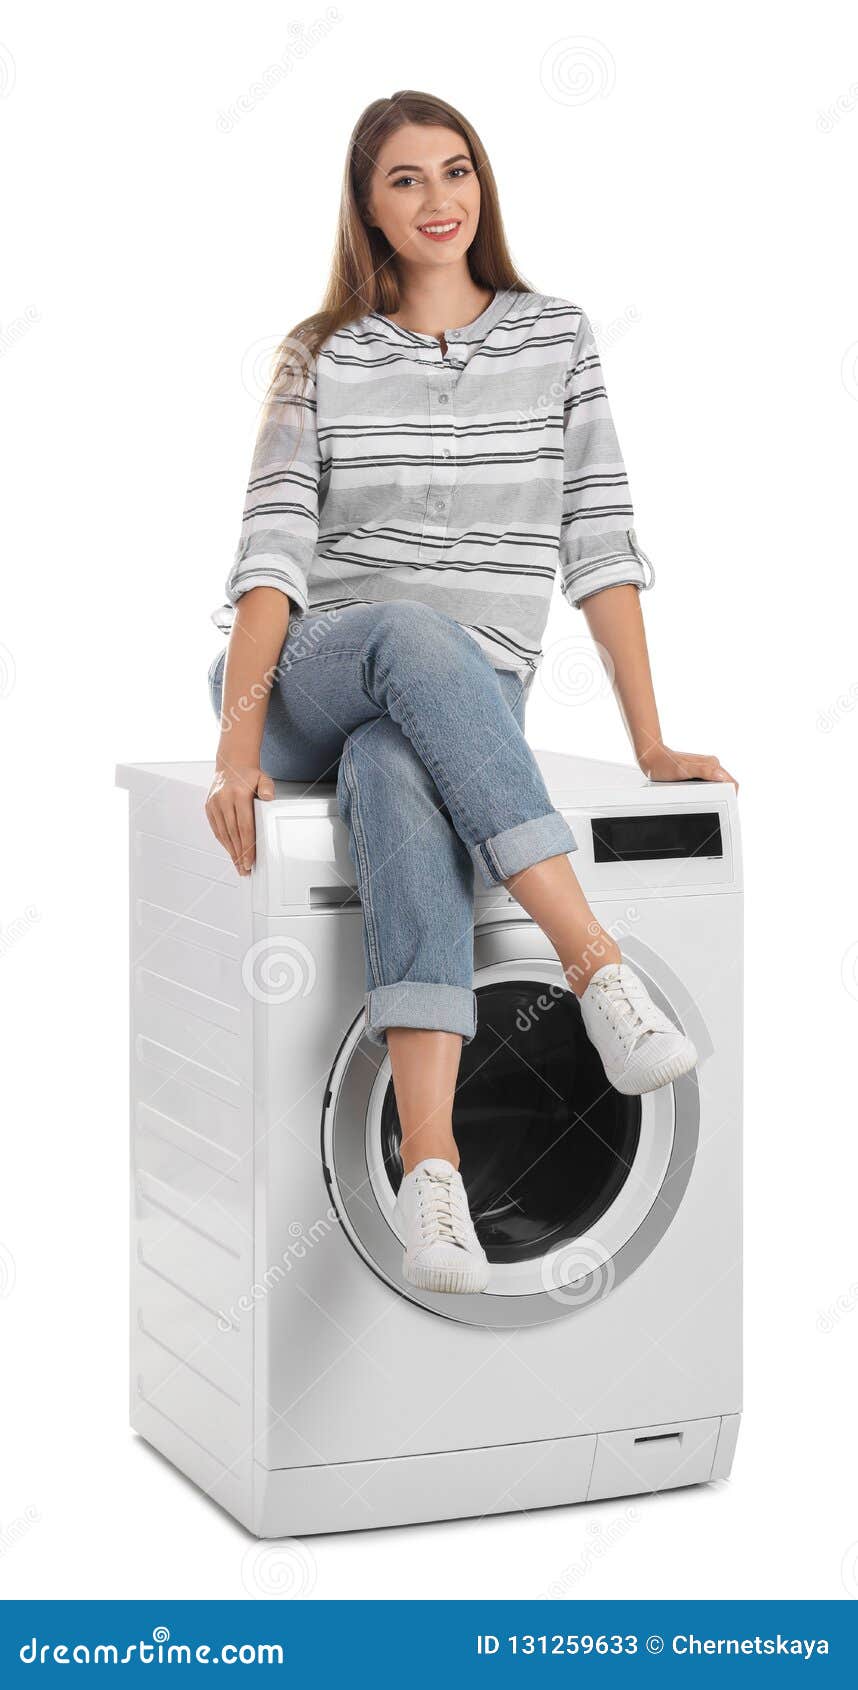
x=440 y=231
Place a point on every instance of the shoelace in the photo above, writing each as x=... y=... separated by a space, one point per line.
x=441 y=1215
x=623 y=996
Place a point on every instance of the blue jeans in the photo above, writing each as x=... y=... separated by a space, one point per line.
x=424 y=738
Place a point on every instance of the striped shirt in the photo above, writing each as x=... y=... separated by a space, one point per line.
x=458 y=480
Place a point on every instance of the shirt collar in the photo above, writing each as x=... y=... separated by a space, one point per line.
x=463 y=340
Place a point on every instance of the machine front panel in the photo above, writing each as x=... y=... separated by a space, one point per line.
x=645 y=1326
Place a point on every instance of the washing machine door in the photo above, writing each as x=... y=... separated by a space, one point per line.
x=570 y=1184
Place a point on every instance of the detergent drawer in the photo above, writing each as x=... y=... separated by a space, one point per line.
x=302 y=859
x=652 y=1458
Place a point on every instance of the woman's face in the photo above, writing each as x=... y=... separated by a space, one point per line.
x=425 y=194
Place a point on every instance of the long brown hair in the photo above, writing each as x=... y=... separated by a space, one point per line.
x=363 y=274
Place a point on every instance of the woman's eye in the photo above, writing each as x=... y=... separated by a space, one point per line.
x=457 y=170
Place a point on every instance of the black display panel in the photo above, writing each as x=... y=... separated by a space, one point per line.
x=634 y=839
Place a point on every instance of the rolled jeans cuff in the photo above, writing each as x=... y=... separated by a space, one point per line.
x=418 y=1003
x=520 y=847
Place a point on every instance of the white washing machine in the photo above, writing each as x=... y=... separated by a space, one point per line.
x=279 y=1358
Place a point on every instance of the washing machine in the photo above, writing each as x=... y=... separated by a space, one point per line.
x=278 y=1357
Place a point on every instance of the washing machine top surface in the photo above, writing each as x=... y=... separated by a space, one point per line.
x=571 y=781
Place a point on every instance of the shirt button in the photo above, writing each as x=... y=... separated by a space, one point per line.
x=443 y=399
x=439 y=507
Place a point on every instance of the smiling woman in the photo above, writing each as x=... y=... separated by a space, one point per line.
x=436 y=444
x=414 y=163
x=453 y=181
x=397 y=205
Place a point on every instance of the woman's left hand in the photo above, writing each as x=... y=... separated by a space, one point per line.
x=660 y=763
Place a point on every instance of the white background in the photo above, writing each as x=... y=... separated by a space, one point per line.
x=689 y=178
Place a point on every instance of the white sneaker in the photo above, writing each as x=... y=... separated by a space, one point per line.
x=442 y=1250
x=640 y=1047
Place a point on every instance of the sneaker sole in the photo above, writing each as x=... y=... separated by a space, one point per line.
x=457 y=1280
x=661 y=1074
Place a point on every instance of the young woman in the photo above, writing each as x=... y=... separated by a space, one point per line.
x=436 y=439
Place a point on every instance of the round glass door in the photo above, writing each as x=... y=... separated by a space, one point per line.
x=569 y=1183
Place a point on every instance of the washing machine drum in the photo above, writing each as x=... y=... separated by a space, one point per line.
x=545 y=1143
x=569 y=1183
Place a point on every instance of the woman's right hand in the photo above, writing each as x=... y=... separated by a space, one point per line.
x=258 y=632
x=229 y=808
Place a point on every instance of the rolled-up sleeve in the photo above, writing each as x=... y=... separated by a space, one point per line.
x=280 y=525
x=598 y=544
